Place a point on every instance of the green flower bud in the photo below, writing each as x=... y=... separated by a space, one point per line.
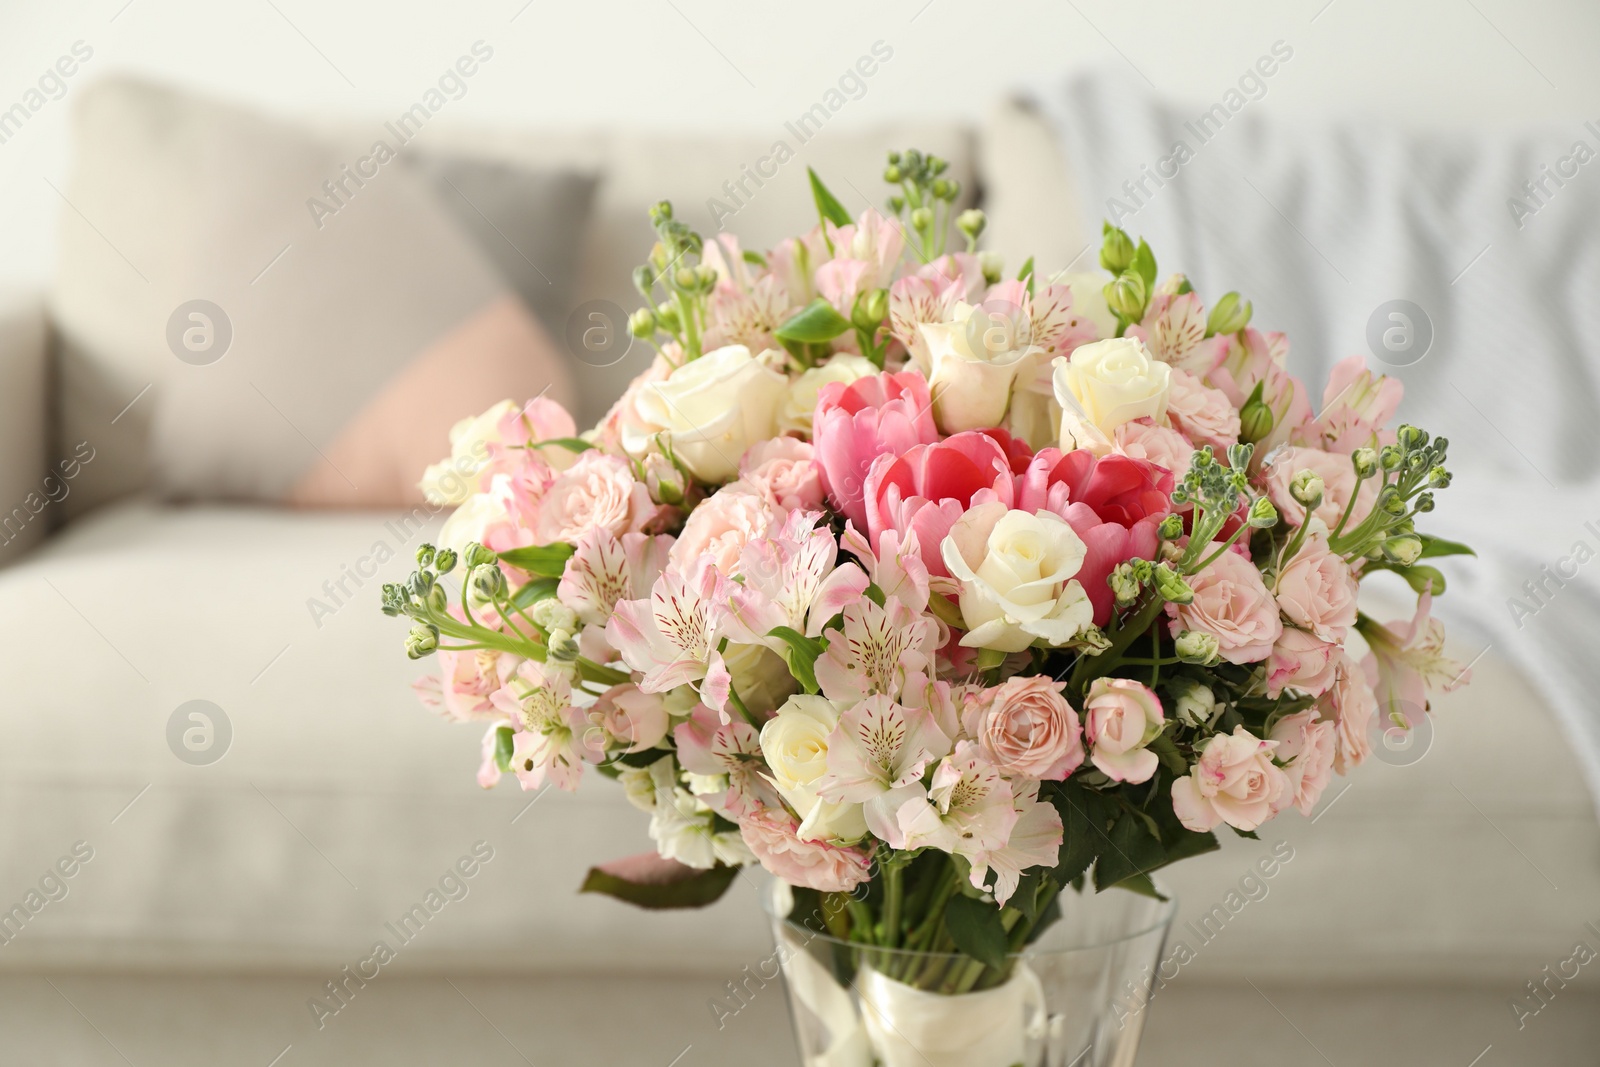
x=1423 y=503
x=1116 y=250
x=1411 y=437
x=420 y=583
x=665 y=482
x=438 y=600
x=893 y=174
x=1439 y=478
x=971 y=222
x=551 y=614
x=1392 y=502
x=1390 y=457
x=1263 y=516
x=897 y=204
x=1171 y=528
x=1365 y=461
x=1193 y=646
x=1229 y=316
x=1194 y=704
x=445 y=560
x=871 y=308
x=421 y=641
x=660 y=211
x=937 y=164
x=1124 y=584
x=685 y=278
x=476 y=555
x=561 y=648
x=424 y=554
x=642 y=323
x=1171 y=586
x=993 y=266
x=1404 y=550
x=488 y=582
x=1307 y=489
x=1255 y=418
x=1126 y=295
x=643 y=279
x=945 y=188
x=394 y=599
x=922 y=218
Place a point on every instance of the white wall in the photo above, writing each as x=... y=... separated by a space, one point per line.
x=753 y=63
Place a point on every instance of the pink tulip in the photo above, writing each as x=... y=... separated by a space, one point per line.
x=856 y=422
x=925 y=491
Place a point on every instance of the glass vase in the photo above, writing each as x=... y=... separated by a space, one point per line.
x=1074 y=997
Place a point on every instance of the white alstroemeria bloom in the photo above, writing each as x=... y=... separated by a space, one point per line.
x=876 y=756
x=969 y=809
x=1035 y=841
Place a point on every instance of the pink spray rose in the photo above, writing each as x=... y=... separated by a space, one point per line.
x=856 y=422
x=1121 y=718
x=1025 y=727
x=1235 y=782
x=923 y=492
x=722 y=525
x=1233 y=605
x=1301 y=660
x=1306 y=745
x=1114 y=503
x=1202 y=414
x=1338 y=482
x=772 y=834
x=625 y=715
x=782 y=470
x=599 y=491
x=1317 y=592
x=1160 y=445
x=1351 y=705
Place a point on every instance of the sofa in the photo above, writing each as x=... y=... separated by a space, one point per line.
x=208 y=723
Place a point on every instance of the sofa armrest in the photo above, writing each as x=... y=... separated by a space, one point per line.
x=24 y=424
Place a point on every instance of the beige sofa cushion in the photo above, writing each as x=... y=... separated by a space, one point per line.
x=32 y=487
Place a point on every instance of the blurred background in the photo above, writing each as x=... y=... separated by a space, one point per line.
x=232 y=333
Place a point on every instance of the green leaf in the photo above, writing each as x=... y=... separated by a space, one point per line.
x=546 y=560
x=502 y=748
x=571 y=444
x=649 y=881
x=816 y=323
x=1141 y=884
x=1419 y=576
x=1085 y=816
x=535 y=591
x=1438 y=546
x=801 y=654
x=755 y=259
x=828 y=205
x=1144 y=261
x=1129 y=849
x=975 y=927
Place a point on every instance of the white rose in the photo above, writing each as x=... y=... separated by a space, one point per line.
x=974 y=360
x=794 y=413
x=1089 y=299
x=710 y=410
x=1105 y=384
x=1017 y=578
x=469 y=522
x=794 y=743
x=455 y=479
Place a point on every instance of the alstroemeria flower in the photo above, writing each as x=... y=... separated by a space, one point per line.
x=970 y=809
x=1034 y=841
x=876 y=757
x=855 y=423
x=672 y=637
x=877 y=651
x=1356 y=408
x=922 y=492
x=549 y=739
x=782 y=575
x=1174 y=329
x=1407 y=660
x=708 y=746
x=605 y=570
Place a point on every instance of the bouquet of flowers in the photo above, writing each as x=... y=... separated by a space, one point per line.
x=936 y=591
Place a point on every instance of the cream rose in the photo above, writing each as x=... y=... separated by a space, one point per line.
x=597 y=493
x=794 y=742
x=1105 y=384
x=453 y=480
x=974 y=360
x=710 y=410
x=1017 y=578
x=800 y=402
x=1317 y=592
x=1121 y=717
x=1235 y=782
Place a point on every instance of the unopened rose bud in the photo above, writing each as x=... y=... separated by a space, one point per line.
x=1230 y=315
x=1263 y=515
x=1124 y=584
x=1307 y=489
x=664 y=480
x=1365 y=461
x=1171 y=586
x=551 y=615
x=1171 y=528
x=1126 y=295
x=971 y=222
x=421 y=641
x=1116 y=250
x=1195 y=704
x=1404 y=550
x=1192 y=646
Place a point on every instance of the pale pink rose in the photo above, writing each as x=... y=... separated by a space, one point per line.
x=1024 y=726
x=1202 y=414
x=1161 y=445
x=1233 y=605
x=1351 y=705
x=1356 y=408
x=772 y=834
x=1235 y=782
x=1306 y=747
x=1317 y=592
x=1300 y=660
x=722 y=525
x=782 y=471
x=625 y=715
x=598 y=492
x=1121 y=717
x=1338 y=481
